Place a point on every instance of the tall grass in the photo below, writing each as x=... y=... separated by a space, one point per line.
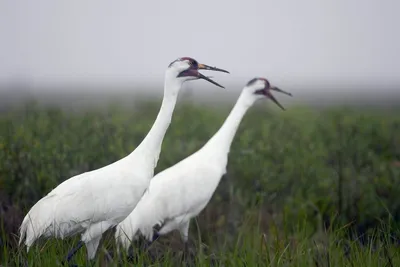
x=249 y=247
x=303 y=188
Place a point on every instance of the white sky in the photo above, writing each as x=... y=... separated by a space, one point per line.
x=292 y=43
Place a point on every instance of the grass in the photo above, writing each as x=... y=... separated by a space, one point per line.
x=249 y=247
x=303 y=187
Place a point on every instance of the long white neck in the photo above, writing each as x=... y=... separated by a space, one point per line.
x=221 y=142
x=150 y=147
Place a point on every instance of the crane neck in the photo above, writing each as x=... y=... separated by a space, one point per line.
x=221 y=142
x=150 y=147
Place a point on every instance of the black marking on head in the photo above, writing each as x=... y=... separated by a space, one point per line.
x=170 y=64
x=192 y=62
x=253 y=81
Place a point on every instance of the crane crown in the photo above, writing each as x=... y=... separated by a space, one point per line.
x=258 y=81
x=192 y=62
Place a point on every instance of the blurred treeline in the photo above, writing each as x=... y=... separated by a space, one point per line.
x=329 y=166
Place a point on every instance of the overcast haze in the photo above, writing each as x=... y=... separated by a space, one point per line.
x=298 y=45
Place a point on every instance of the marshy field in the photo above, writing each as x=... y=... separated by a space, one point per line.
x=304 y=187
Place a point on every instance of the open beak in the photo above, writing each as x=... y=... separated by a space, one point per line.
x=267 y=93
x=205 y=67
x=193 y=72
x=201 y=76
x=274 y=88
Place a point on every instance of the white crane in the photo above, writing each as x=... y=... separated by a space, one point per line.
x=181 y=192
x=92 y=202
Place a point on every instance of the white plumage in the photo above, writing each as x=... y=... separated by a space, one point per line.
x=92 y=202
x=181 y=192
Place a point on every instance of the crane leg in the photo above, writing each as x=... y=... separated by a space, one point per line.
x=184 y=231
x=156 y=235
x=72 y=252
x=186 y=252
x=168 y=227
x=131 y=257
x=92 y=246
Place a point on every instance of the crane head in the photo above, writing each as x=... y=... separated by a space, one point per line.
x=261 y=88
x=188 y=69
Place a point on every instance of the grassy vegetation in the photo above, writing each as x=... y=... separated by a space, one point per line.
x=303 y=188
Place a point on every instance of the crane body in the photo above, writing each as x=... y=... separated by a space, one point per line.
x=73 y=208
x=91 y=203
x=182 y=191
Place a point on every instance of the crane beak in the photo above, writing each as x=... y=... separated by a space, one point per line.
x=274 y=88
x=267 y=93
x=201 y=76
x=194 y=72
x=205 y=67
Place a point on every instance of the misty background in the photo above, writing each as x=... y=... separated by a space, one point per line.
x=321 y=51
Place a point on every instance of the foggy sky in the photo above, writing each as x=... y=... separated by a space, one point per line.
x=295 y=44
